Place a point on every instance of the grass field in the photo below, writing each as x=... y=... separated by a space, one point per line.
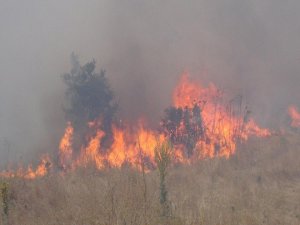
x=260 y=184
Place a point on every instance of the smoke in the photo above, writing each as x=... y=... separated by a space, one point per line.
x=245 y=47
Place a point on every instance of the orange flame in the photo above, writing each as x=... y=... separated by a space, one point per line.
x=91 y=153
x=187 y=93
x=222 y=128
x=65 y=146
x=41 y=170
x=128 y=147
x=295 y=116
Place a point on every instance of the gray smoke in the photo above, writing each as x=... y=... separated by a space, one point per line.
x=246 y=47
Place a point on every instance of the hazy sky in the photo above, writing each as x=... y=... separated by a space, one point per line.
x=250 y=47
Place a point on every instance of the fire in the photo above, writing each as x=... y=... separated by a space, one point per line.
x=91 y=153
x=295 y=116
x=65 y=146
x=41 y=170
x=212 y=130
x=130 y=146
x=200 y=124
x=118 y=153
x=253 y=129
x=187 y=93
x=219 y=124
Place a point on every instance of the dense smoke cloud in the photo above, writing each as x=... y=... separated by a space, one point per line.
x=246 y=47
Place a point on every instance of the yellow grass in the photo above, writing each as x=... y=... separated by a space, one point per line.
x=259 y=185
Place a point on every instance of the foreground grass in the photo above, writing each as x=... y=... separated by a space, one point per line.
x=259 y=185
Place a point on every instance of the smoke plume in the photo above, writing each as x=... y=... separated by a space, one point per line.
x=245 y=47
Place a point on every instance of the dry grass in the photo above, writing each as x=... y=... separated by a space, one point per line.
x=259 y=185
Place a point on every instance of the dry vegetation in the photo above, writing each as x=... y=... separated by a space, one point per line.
x=259 y=185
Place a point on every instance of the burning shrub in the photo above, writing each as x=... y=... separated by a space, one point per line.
x=183 y=126
x=203 y=122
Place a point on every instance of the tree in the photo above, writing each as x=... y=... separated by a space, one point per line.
x=89 y=97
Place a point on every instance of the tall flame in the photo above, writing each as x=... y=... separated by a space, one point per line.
x=91 y=153
x=223 y=127
x=65 y=146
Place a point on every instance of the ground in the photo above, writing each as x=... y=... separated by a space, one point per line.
x=260 y=184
